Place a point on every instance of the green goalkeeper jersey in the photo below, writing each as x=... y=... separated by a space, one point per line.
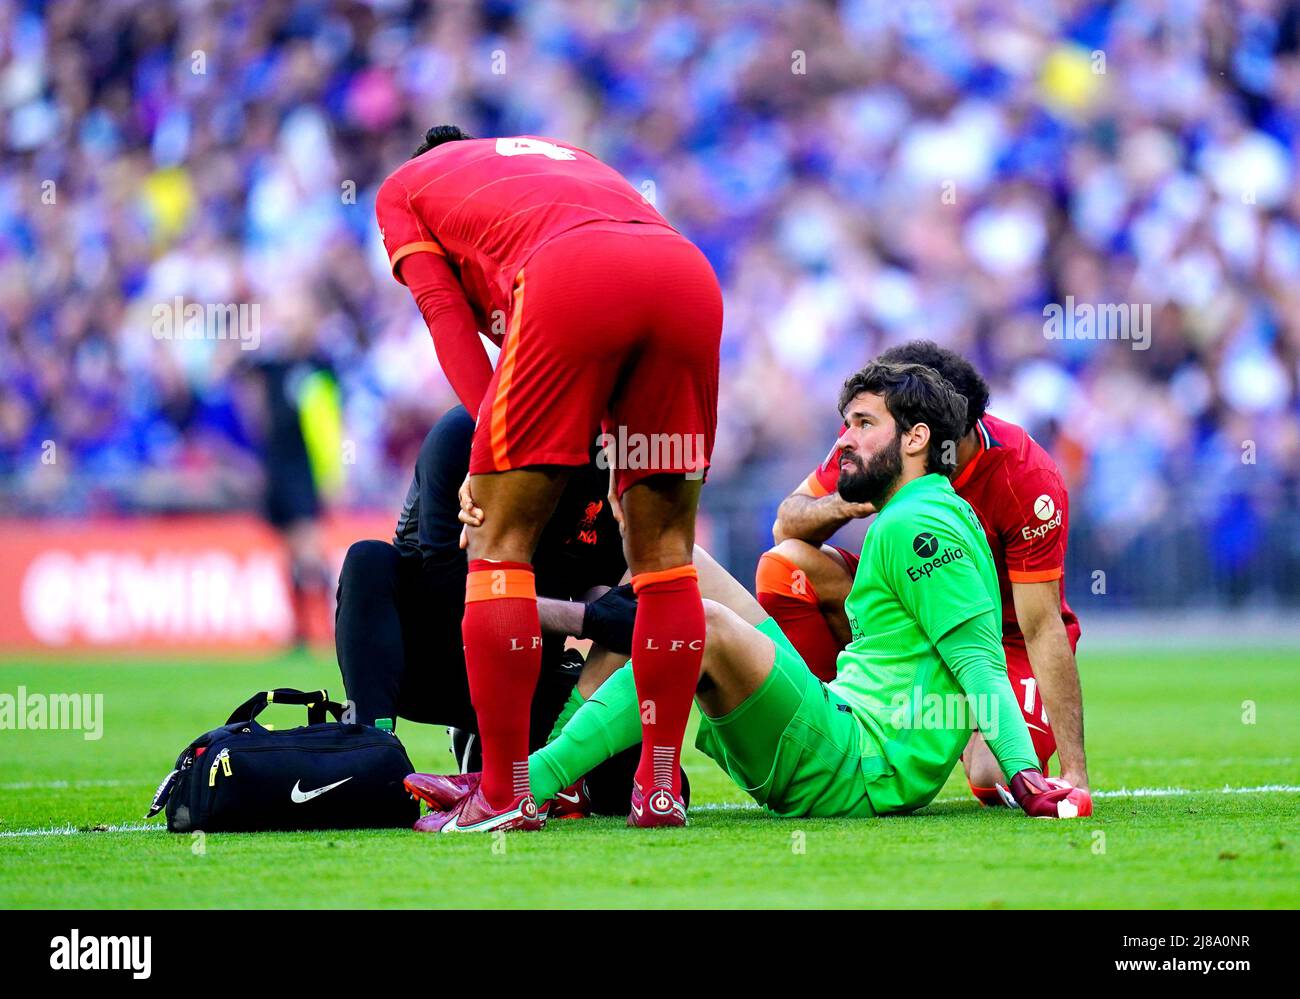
x=926 y=590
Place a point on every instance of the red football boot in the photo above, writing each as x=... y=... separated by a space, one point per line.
x=441 y=792
x=658 y=808
x=571 y=803
x=473 y=814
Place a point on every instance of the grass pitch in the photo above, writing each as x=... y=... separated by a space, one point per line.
x=1167 y=733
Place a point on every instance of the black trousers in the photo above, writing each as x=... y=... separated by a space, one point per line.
x=399 y=646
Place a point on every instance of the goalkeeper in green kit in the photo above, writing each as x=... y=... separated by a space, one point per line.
x=925 y=663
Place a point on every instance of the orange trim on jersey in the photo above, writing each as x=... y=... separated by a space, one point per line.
x=509 y=352
x=1036 y=576
x=424 y=246
x=964 y=475
x=779 y=576
x=814 y=486
x=644 y=579
x=499 y=584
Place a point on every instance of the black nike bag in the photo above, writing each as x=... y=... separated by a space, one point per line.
x=244 y=777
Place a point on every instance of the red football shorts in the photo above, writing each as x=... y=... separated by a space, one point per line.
x=611 y=322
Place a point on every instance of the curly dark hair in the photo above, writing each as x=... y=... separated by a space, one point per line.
x=439 y=134
x=913 y=394
x=958 y=372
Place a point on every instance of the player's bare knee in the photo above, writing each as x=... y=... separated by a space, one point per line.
x=799 y=552
x=828 y=577
x=718 y=624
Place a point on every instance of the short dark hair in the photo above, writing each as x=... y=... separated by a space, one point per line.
x=439 y=134
x=915 y=393
x=956 y=370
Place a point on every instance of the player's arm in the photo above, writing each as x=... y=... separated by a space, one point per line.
x=1034 y=532
x=972 y=650
x=1038 y=609
x=446 y=312
x=813 y=514
x=561 y=617
x=419 y=262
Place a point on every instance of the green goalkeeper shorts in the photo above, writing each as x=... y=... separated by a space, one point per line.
x=793 y=745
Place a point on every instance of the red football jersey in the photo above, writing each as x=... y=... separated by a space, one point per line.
x=1019 y=497
x=486 y=205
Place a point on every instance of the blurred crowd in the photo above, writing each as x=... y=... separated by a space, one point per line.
x=859 y=173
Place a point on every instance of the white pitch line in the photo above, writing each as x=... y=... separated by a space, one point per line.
x=74 y=831
x=1176 y=792
x=61 y=785
x=1136 y=792
x=1168 y=792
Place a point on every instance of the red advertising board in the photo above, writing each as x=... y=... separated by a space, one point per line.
x=192 y=583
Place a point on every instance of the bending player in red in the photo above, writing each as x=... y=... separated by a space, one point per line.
x=602 y=311
x=1018 y=494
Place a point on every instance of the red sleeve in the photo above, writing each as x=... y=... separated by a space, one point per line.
x=825 y=478
x=400 y=227
x=451 y=323
x=1036 y=524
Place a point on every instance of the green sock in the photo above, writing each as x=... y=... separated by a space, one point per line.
x=570 y=706
x=607 y=723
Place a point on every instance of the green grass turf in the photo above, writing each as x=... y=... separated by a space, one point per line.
x=1154 y=720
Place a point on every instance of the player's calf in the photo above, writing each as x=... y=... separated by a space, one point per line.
x=982 y=771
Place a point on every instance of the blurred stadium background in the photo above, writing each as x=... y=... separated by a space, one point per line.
x=859 y=173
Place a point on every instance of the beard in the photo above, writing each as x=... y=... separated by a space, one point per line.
x=871 y=481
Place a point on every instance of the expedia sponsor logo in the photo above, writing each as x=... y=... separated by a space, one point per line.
x=1043 y=529
x=923 y=571
x=925 y=544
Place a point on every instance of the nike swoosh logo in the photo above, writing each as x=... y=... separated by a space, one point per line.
x=299 y=795
x=1036 y=728
x=455 y=826
x=637 y=811
x=572 y=799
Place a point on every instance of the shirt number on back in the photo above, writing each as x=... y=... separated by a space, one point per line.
x=534 y=147
x=1031 y=696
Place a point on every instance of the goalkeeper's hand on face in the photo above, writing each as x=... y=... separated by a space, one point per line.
x=608 y=620
x=1046 y=797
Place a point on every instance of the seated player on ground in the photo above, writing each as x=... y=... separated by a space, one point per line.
x=924 y=614
x=1021 y=501
x=400 y=607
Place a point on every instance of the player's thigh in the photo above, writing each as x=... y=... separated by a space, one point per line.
x=789 y=744
x=738 y=660
x=666 y=406
x=659 y=522
x=564 y=348
x=516 y=506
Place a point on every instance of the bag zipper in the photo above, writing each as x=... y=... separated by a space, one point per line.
x=223 y=761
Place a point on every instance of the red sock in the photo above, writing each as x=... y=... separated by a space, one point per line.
x=785 y=592
x=503 y=656
x=667 y=647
